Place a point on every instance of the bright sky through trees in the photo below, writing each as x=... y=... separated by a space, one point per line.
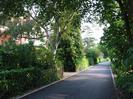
x=93 y=30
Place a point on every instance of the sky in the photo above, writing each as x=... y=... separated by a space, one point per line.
x=95 y=29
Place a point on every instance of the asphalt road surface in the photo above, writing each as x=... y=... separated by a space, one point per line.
x=95 y=83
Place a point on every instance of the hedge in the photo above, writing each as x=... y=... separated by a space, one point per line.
x=124 y=81
x=82 y=64
x=16 y=81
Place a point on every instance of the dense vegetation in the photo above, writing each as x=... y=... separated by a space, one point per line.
x=117 y=39
x=28 y=64
x=57 y=25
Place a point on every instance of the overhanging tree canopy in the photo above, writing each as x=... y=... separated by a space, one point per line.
x=51 y=15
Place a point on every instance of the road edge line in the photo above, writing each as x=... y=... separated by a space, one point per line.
x=48 y=85
x=113 y=78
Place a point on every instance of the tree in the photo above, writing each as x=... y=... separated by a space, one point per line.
x=103 y=50
x=118 y=36
x=71 y=48
x=51 y=15
x=118 y=39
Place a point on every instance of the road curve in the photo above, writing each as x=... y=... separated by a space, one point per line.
x=95 y=83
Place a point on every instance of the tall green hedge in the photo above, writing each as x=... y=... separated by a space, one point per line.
x=70 y=50
x=92 y=56
x=23 y=67
x=15 y=81
x=17 y=56
x=82 y=64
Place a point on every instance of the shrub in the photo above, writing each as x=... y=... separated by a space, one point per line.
x=24 y=67
x=70 y=49
x=124 y=81
x=14 y=56
x=92 y=56
x=82 y=64
x=15 y=81
x=44 y=58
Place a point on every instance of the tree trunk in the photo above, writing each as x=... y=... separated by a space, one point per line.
x=130 y=10
x=125 y=9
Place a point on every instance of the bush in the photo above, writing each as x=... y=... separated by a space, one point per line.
x=92 y=56
x=24 y=67
x=124 y=81
x=82 y=64
x=15 y=81
x=70 y=49
x=14 y=56
x=44 y=58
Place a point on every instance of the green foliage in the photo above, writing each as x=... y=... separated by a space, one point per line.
x=28 y=64
x=44 y=58
x=92 y=55
x=103 y=50
x=124 y=81
x=11 y=8
x=11 y=80
x=15 y=56
x=82 y=64
x=129 y=59
x=89 y=42
x=118 y=39
x=23 y=27
x=71 y=48
x=47 y=8
x=61 y=17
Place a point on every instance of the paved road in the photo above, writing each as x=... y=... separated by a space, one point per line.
x=95 y=83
